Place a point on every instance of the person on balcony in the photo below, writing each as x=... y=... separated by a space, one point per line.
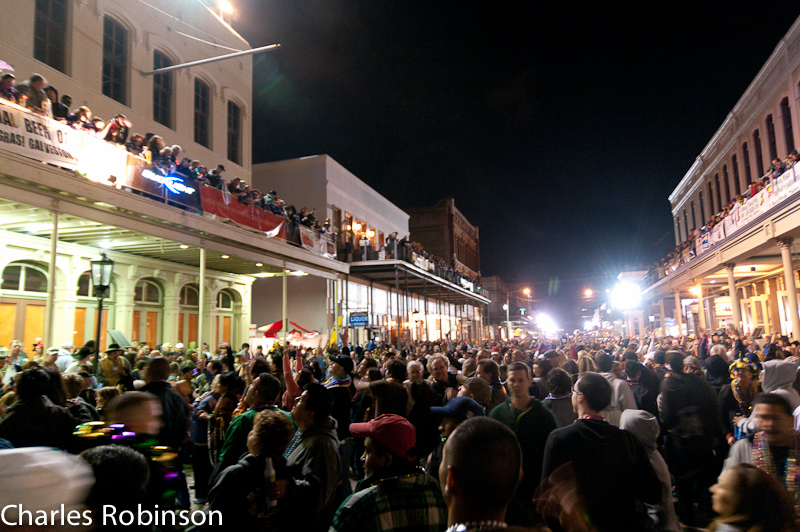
x=31 y=94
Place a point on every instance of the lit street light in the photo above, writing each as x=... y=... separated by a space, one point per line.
x=588 y=292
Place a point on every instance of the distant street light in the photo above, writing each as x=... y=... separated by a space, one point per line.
x=588 y=292
x=526 y=291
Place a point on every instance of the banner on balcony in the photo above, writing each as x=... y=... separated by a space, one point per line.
x=231 y=209
x=38 y=137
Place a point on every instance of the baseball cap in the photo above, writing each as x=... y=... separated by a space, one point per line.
x=392 y=431
x=345 y=362
x=459 y=408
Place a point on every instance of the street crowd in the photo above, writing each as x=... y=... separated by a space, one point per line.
x=586 y=433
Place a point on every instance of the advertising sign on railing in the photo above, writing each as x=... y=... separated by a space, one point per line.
x=785 y=186
x=38 y=137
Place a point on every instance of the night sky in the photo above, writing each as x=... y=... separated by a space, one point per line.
x=559 y=128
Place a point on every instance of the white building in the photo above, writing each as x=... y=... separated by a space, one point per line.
x=394 y=298
x=742 y=272
x=180 y=275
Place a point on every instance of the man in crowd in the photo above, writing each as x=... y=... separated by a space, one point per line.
x=596 y=453
x=112 y=367
x=445 y=384
x=645 y=400
x=622 y=396
x=31 y=93
x=478 y=487
x=396 y=494
x=34 y=421
x=689 y=414
x=313 y=461
x=775 y=447
x=532 y=423
x=391 y=396
x=455 y=412
x=15 y=359
x=341 y=388
x=261 y=395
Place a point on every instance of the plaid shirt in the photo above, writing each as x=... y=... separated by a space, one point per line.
x=412 y=503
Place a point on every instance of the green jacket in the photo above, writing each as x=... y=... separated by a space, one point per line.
x=532 y=427
x=236 y=436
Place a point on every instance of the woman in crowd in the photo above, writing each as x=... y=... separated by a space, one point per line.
x=748 y=499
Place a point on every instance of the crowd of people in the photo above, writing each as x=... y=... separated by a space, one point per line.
x=576 y=434
x=36 y=95
x=686 y=251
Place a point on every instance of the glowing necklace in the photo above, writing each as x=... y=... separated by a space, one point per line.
x=763 y=459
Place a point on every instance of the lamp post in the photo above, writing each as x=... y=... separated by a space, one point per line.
x=508 y=320
x=102 y=270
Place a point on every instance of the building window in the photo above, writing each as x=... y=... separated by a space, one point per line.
x=773 y=147
x=727 y=183
x=50 y=33
x=735 y=165
x=189 y=296
x=224 y=301
x=719 y=192
x=686 y=224
x=786 y=114
x=115 y=59
x=234 y=133
x=746 y=160
x=24 y=278
x=759 y=153
x=147 y=292
x=162 y=90
x=678 y=225
x=202 y=106
x=710 y=200
x=702 y=210
x=694 y=220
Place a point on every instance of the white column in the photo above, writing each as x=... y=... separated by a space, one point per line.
x=701 y=305
x=663 y=316
x=51 y=285
x=201 y=308
x=785 y=244
x=678 y=311
x=734 y=295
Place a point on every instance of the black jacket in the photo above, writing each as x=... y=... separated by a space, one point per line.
x=38 y=424
x=175 y=413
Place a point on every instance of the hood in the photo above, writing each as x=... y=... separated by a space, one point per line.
x=778 y=374
x=641 y=424
x=326 y=428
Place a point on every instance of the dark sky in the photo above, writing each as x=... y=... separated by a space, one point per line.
x=559 y=132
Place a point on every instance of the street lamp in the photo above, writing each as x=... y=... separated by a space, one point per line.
x=526 y=291
x=508 y=320
x=588 y=292
x=102 y=270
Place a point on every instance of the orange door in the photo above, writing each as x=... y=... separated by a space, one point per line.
x=152 y=329
x=226 y=329
x=78 y=339
x=8 y=312
x=34 y=325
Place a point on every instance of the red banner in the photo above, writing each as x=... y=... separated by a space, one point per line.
x=227 y=207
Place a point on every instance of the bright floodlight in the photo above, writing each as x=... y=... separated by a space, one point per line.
x=588 y=325
x=546 y=324
x=588 y=292
x=626 y=296
x=225 y=6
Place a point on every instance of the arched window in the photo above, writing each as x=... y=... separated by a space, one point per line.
x=148 y=305
x=786 y=114
x=147 y=292
x=710 y=200
x=719 y=192
x=202 y=111
x=773 y=147
x=162 y=89
x=189 y=302
x=115 y=60
x=23 y=277
x=224 y=301
x=759 y=153
x=746 y=160
x=234 y=132
x=702 y=210
x=735 y=165
x=50 y=33
x=727 y=183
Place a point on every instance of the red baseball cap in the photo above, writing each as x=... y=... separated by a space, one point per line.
x=392 y=431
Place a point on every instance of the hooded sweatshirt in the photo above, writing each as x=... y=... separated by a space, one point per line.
x=645 y=427
x=315 y=467
x=779 y=376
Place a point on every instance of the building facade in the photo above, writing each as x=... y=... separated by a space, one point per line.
x=740 y=270
x=182 y=274
x=446 y=233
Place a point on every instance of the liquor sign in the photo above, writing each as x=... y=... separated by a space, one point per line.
x=359 y=319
